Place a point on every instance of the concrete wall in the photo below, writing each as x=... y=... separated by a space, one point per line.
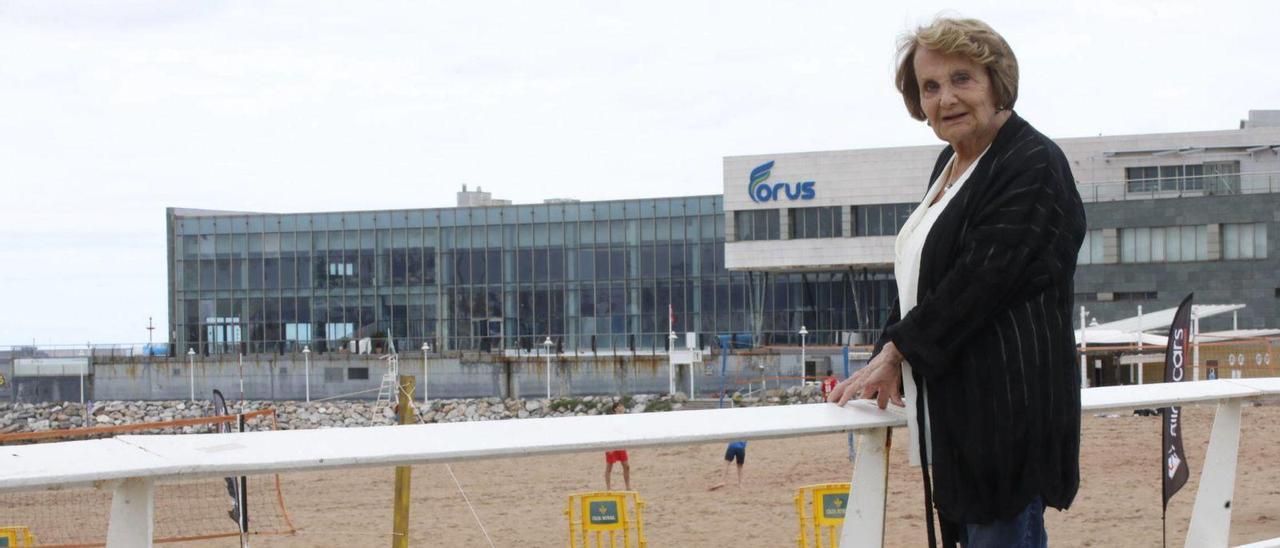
x=1253 y=282
x=273 y=377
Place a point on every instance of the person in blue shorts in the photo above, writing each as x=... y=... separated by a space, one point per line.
x=737 y=451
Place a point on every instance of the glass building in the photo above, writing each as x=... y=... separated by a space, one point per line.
x=590 y=275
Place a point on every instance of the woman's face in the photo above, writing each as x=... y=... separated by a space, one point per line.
x=957 y=98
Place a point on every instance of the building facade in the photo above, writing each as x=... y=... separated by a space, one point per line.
x=1168 y=214
x=592 y=276
x=796 y=240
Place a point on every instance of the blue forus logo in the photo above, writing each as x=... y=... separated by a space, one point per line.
x=760 y=190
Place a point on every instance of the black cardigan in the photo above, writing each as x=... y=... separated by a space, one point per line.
x=991 y=340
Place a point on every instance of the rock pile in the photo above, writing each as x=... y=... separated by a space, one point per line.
x=294 y=415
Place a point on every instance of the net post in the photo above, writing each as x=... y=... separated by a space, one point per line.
x=243 y=492
x=400 y=526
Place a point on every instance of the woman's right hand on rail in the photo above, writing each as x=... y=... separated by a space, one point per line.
x=880 y=379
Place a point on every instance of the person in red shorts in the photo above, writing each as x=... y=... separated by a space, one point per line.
x=618 y=456
x=828 y=384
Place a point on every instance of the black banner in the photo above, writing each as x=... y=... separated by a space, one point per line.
x=1173 y=459
x=234 y=488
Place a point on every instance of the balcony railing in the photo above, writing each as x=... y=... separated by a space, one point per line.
x=1181 y=187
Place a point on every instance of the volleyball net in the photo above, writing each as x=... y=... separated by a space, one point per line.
x=185 y=510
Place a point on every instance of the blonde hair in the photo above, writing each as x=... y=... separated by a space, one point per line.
x=968 y=37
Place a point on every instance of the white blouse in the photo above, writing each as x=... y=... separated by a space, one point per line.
x=906 y=269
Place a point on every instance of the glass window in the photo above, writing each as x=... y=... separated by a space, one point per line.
x=1193 y=177
x=1128 y=249
x=586 y=265
x=757 y=224
x=602 y=232
x=878 y=219
x=1142 y=179
x=1091 y=249
x=814 y=222
x=678 y=260
x=190 y=275
x=1173 y=244
x=1222 y=177
x=617 y=264
x=1085 y=257
x=1202 y=243
x=1170 y=177
x=663 y=226
x=1260 y=240
x=1142 y=245
x=602 y=263
x=1164 y=244
x=1216 y=177
x=1244 y=241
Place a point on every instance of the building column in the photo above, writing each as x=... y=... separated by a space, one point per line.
x=1215 y=242
x=1110 y=246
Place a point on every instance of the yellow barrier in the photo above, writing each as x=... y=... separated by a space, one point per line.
x=16 y=537
x=611 y=516
x=827 y=503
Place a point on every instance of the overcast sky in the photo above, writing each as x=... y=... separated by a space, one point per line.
x=112 y=111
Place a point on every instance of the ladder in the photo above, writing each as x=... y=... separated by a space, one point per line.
x=391 y=379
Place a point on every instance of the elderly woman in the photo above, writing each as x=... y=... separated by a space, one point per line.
x=981 y=336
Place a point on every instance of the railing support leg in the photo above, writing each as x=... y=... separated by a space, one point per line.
x=1211 y=515
x=132 y=514
x=864 y=517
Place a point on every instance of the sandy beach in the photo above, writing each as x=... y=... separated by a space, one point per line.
x=521 y=501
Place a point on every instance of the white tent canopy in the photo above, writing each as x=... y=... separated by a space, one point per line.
x=1235 y=334
x=1126 y=331
x=1096 y=336
x=1162 y=319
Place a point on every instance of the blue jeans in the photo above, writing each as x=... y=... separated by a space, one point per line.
x=1025 y=530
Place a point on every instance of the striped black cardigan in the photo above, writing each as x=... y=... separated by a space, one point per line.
x=991 y=341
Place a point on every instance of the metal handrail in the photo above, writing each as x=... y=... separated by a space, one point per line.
x=1262 y=182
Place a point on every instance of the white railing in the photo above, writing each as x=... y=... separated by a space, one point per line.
x=131 y=465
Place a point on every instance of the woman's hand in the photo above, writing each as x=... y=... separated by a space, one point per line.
x=881 y=379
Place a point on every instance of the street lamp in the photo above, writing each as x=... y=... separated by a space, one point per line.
x=671 y=364
x=1084 y=359
x=306 y=357
x=426 y=397
x=191 y=359
x=803 y=364
x=547 y=343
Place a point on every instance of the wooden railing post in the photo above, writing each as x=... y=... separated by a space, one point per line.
x=400 y=525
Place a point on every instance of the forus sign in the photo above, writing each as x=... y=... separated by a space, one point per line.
x=761 y=190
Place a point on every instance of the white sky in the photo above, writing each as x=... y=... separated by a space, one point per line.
x=112 y=111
